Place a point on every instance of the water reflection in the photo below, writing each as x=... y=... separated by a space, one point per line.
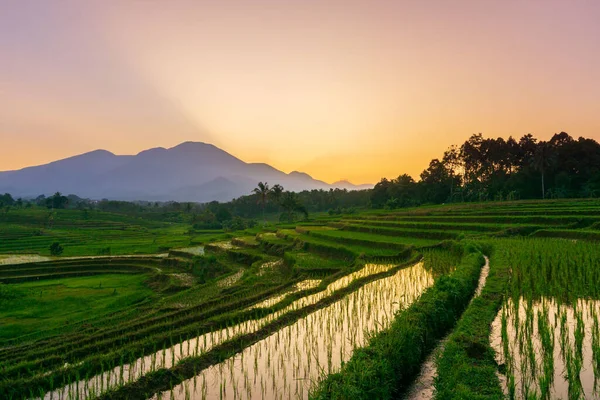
x=549 y=350
x=287 y=363
x=169 y=356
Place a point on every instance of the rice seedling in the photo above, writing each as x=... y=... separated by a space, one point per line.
x=546 y=338
x=168 y=356
x=288 y=362
x=549 y=349
x=300 y=286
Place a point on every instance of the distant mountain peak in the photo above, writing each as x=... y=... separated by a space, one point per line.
x=190 y=145
x=346 y=184
x=99 y=152
x=190 y=171
x=154 y=150
x=300 y=174
x=91 y=154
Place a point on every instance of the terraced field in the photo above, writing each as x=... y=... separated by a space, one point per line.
x=351 y=306
x=85 y=233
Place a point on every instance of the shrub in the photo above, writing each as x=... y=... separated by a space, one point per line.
x=56 y=249
x=207 y=267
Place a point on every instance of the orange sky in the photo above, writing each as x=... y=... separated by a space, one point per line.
x=337 y=89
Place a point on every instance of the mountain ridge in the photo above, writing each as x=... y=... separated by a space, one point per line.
x=189 y=171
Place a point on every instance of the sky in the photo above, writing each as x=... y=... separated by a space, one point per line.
x=355 y=90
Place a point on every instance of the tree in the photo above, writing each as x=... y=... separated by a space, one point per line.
x=58 y=201
x=6 y=200
x=56 y=249
x=276 y=192
x=380 y=194
x=436 y=182
x=291 y=205
x=223 y=215
x=541 y=160
x=454 y=165
x=402 y=192
x=262 y=192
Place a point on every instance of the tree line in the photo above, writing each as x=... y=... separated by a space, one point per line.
x=286 y=205
x=57 y=201
x=480 y=169
x=484 y=169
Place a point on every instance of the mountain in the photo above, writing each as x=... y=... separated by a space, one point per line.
x=191 y=171
x=345 y=184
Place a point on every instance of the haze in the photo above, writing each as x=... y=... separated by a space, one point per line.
x=338 y=89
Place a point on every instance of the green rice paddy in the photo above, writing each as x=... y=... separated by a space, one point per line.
x=349 y=306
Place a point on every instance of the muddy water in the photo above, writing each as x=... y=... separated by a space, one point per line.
x=423 y=388
x=231 y=279
x=544 y=342
x=10 y=259
x=196 y=250
x=21 y=259
x=287 y=363
x=168 y=357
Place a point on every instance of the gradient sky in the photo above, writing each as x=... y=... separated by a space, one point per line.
x=337 y=89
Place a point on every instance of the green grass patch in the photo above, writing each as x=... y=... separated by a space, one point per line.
x=38 y=306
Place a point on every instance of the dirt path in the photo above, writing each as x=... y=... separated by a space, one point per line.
x=423 y=388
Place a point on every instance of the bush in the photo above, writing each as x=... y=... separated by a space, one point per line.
x=207 y=267
x=238 y=224
x=56 y=249
x=105 y=251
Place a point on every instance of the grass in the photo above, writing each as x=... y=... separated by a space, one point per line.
x=89 y=233
x=347 y=250
x=35 y=306
x=371 y=239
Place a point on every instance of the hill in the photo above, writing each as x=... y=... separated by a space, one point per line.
x=191 y=171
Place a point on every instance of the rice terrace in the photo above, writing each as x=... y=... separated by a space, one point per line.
x=497 y=299
x=299 y=200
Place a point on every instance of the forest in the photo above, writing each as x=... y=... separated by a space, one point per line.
x=496 y=169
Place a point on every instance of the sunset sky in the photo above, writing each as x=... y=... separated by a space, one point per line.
x=337 y=89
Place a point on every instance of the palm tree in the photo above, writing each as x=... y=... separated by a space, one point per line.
x=262 y=191
x=275 y=193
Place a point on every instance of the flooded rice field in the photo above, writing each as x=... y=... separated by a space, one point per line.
x=14 y=259
x=196 y=250
x=415 y=279
x=269 y=266
x=549 y=350
x=10 y=259
x=302 y=285
x=290 y=361
x=227 y=245
x=231 y=279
